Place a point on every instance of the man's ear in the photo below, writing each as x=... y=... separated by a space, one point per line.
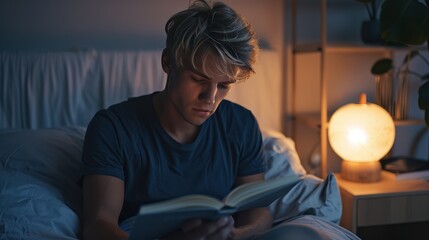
x=165 y=61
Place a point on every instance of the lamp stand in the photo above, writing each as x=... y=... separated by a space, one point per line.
x=365 y=172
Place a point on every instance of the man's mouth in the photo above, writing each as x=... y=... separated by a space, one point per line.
x=202 y=112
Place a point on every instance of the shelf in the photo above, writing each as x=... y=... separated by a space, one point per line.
x=409 y=122
x=325 y=49
x=347 y=48
x=307 y=47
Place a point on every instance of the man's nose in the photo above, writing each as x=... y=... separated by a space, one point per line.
x=209 y=93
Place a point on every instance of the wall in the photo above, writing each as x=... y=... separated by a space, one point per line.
x=51 y=25
x=115 y=24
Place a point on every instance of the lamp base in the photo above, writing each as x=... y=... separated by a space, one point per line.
x=365 y=172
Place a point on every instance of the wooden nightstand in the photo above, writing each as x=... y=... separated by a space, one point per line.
x=385 y=207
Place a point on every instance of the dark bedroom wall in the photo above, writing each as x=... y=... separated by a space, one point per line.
x=114 y=24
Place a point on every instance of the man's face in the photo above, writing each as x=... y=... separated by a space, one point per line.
x=195 y=95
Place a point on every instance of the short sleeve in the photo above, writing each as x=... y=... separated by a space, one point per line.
x=252 y=160
x=102 y=150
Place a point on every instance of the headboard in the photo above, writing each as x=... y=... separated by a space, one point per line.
x=54 y=89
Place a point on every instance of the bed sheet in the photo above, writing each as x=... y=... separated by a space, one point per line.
x=307 y=227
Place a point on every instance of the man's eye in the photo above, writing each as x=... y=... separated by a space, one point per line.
x=224 y=86
x=200 y=80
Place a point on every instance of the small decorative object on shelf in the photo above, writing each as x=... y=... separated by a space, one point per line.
x=370 y=29
x=370 y=32
x=384 y=85
x=407 y=22
x=390 y=79
x=361 y=134
x=406 y=168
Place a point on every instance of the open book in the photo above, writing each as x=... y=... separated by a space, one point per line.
x=158 y=219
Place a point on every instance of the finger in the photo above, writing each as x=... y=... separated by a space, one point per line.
x=223 y=232
x=181 y=233
x=191 y=224
x=208 y=228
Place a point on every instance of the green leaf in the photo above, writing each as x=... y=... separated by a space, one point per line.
x=382 y=66
x=427 y=118
x=365 y=1
x=404 y=21
x=410 y=55
x=424 y=96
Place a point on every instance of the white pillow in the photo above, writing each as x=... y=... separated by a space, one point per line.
x=311 y=196
x=281 y=158
x=40 y=195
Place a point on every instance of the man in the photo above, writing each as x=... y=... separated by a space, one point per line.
x=183 y=140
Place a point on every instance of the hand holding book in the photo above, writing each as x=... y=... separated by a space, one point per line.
x=200 y=229
x=157 y=219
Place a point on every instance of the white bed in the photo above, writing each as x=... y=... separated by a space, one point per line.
x=47 y=99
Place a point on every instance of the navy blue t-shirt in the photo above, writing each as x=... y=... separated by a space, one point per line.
x=127 y=141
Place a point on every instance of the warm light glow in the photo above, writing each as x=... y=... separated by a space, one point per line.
x=361 y=132
x=357 y=136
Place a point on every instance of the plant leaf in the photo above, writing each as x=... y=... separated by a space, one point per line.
x=365 y=1
x=404 y=21
x=382 y=66
x=410 y=55
x=424 y=96
x=427 y=118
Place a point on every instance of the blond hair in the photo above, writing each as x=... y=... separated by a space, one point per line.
x=212 y=28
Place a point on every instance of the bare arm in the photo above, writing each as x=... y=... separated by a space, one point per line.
x=253 y=221
x=103 y=197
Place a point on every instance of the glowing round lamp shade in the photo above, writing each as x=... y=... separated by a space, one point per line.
x=361 y=134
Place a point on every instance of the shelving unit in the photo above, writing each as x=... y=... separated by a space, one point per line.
x=320 y=120
x=320 y=47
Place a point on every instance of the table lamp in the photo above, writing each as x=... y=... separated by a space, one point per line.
x=361 y=134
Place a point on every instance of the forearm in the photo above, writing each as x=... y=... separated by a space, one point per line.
x=104 y=230
x=102 y=204
x=250 y=223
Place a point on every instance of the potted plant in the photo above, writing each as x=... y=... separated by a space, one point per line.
x=385 y=67
x=407 y=22
x=370 y=29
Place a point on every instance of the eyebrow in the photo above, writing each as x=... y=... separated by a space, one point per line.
x=231 y=81
x=200 y=73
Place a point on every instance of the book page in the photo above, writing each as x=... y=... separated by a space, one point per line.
x=258 y=191
x=191 y=201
